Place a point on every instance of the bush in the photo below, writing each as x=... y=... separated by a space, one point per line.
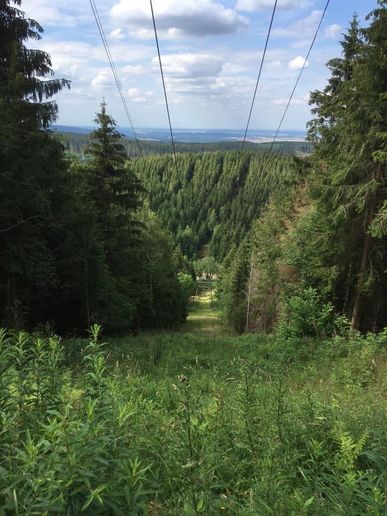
x=305 y=314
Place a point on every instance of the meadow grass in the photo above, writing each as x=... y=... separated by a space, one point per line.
x=204 y=316
x=193 y=423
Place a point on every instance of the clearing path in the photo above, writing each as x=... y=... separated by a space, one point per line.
x=204 y=316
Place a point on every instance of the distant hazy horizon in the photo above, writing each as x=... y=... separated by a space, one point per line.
x=195 y=135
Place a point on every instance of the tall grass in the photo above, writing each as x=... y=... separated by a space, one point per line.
x=188 y=424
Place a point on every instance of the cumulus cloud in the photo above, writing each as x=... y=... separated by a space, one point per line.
x=79 y=52
x=117 y=34
x=332 y=31
x=303 y=27
x=257 y=5
x=101 y=82
x=140 y=96
x=175 y=19
x=297 y=63
x=191 y=65
x=45 y=13
x=55 y=12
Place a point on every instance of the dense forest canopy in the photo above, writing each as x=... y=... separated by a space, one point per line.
x=81 y=238
x=211 y=199
x=322 y=246
x=77 y=243
x=76 y=143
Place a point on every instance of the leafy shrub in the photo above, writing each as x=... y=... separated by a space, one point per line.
x=305 y=314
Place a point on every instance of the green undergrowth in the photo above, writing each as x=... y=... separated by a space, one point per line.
x=176 y=423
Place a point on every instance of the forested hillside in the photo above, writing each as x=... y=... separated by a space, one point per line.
x=211 y=199
x=320 y=248
x=77 y=143
x=191 y=418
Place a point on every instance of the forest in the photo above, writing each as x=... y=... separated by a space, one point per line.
x=76 y=143
x=195 y=334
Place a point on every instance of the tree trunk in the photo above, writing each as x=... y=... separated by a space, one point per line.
x=86 y=274
x=356 y=311
x=249 y=295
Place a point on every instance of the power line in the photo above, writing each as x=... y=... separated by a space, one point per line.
x=299 y=76
x=259 y=73
x=162 y=78
x=114 y=71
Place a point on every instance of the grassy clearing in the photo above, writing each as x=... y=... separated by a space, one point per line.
x=204 y=316
x=179 y=423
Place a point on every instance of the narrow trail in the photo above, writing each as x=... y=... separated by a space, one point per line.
x=204 y=317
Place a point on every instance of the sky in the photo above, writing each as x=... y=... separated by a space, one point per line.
x=210 y=50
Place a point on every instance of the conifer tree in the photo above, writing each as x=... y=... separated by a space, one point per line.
x=114 y=192
x=350 y=191
x=33 y=187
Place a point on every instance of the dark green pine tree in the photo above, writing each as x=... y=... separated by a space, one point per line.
x=114 y=187
x=115 y=192
x=34 y=190
x=351 y=167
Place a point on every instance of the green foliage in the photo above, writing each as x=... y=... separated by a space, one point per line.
x=306 y=315
x=76 y=143
x=327 y=232
x=162 y=298
x=206 y=266
x=35 y=207
x=208 y=201
x=74 y=249
x=187 y=284
x=176 y=423
x=349 y=186
x=234 y=289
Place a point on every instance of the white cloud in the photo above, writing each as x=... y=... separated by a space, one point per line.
x=303 y=27
x=133 y=69
x=332 y=31
x=101 y=82
x=55 y=12
x=297 y=63
x=44 y=13
x=257 y=5
x=82 y=52
x=185 y=18
x=139 y=96
x=117 y=34
x=191 y=65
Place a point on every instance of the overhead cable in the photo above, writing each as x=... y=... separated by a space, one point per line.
x=259 y=74
x=114 y=71
x=162 y=79
x=299 y=75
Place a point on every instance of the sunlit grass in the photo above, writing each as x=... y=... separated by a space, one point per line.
x=204 y=316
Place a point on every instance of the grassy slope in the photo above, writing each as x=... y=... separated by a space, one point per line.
x=204 y=316
x=197 y=422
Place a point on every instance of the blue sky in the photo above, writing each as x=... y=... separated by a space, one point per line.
x=210 y=51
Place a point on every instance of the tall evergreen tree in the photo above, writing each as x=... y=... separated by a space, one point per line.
x=114 y=192
x=350 y=191
x=33 y=185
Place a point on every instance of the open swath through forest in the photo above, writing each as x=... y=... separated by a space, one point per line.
x=268 y=400
x=203 y=316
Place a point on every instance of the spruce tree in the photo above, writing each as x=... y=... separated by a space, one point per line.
x=351 y=167
x=115 y=194
x=33 y=185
